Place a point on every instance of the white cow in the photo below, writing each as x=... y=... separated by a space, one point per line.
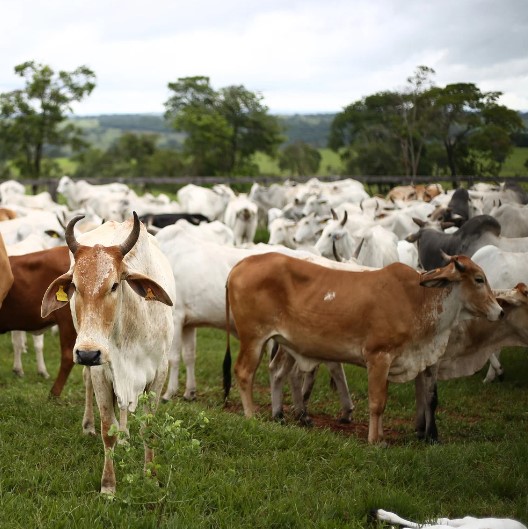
x=241 y=215
x=214 y=231
x=78 y=192
x=468 y=522
x=200 y=269
x=504 y=270
x=42 y=223
x=120 y=288
x=209 y=202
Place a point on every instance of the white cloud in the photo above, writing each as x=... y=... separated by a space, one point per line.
x=302 y=56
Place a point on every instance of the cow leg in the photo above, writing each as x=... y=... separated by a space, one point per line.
x=338 y=376
x=88 y=423
x=18 y=338
x=156 y=388
x=174 y=362
x=378 y=384
x=189 y=358
x=297 y=379
x=67 y=335
x=279 y=368
x=104 y=395
x=38 y=345
x=246 y=365
x=308 y=383
x=426 y=403
x=494 y=369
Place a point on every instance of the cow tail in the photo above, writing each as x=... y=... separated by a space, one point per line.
x=227 y=358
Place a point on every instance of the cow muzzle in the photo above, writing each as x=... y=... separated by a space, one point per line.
x=88 y=358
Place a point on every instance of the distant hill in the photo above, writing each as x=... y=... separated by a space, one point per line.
x=101 y=131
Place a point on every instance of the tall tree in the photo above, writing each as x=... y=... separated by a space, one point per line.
x=33 y=117
x=224 y=128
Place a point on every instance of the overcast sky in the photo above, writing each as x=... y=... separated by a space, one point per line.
x=302 y=56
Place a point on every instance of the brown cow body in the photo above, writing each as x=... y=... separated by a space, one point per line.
x=20 y=311
x=384 y=320
x=6 y=274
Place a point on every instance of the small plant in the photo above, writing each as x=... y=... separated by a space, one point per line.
x=171 y=441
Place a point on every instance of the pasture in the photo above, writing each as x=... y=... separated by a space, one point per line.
x=217 y=469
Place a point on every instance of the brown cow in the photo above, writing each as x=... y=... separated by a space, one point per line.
x=20 y=311
x=6 y=274
x=384 y=320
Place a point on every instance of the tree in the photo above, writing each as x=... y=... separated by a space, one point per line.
x=224 y=128
x=299 y=158
x=399 y=133
x=33 y=117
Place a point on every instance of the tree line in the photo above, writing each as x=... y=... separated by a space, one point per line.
x=421 y=130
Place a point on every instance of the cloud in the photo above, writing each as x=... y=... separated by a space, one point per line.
x=302 y=56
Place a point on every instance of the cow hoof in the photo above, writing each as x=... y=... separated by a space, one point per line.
x=279 y=417
x=18 y=372
x=345 y=420
x=44 y=374
x=89 y=430
x=306 y=420
x=500 y=377
x=189 y=396
x=110 y=491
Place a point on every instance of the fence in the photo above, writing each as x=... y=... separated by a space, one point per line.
x=381 y=183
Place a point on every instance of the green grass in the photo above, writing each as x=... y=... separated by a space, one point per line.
x=515 y=163
x=257 y=473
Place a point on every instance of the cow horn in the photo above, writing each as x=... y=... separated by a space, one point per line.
x=126 y=246
x=71 y=241
x=334 y=214
x=358 y=248
x=334 y=250
x=345 y=217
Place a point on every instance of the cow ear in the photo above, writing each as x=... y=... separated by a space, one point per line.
x=57 y=294
x=147 y=288
x=439 y=277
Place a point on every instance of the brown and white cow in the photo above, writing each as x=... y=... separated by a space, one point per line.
x=470 y=345
x=20 y=310
x=384 y=320
x=119 y=288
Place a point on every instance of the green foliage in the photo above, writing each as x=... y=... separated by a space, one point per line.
x=33 y=117
x=406 y=128
x=223 y=128
x=218 y=469
x=299 y=158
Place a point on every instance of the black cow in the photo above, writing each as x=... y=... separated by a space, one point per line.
x=161 y=220
x=472 y=235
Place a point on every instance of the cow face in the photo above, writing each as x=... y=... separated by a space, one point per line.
x=95 y=287
x=476 y=295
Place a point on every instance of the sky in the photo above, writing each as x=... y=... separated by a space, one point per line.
x=301 y=56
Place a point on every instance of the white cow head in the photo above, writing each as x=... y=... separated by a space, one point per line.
x=94 y=285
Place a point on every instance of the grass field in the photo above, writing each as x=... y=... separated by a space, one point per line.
x=217 y=469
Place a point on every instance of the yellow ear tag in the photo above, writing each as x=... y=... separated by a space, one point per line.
x=61 y=295
x=149 y=296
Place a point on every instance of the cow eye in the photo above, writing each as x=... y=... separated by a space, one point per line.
x=114 y=287
x=479 y=279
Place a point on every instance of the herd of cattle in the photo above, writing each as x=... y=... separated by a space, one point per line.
x=422 y=284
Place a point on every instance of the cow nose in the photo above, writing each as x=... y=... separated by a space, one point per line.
x=88 y=358
x=501 y=315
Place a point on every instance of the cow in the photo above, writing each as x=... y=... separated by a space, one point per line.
x=20 y=311
x=470 y=345
x=384 y=320
x=468 y=522
x=513 y=219
x=472 y=235
x=241 y=215
x=119 y=289
x=209 y=202
x=6 y=274
x=161 y=220
x=504 y=270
